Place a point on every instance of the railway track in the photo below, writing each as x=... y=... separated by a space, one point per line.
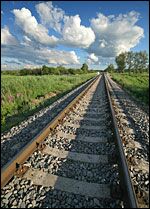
x=76 y=161
x=133 y=127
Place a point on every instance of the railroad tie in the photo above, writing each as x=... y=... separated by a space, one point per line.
x=88 y=158
x=39 y=177
x=82 y=138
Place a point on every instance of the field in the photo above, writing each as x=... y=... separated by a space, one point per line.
x=136 y=84
x=21 y=96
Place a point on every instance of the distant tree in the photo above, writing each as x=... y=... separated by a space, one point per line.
x=143 y=61
x=10 y=72
x=138 y=60
x=72 y=71
x=110 y=68
x=92 y=71
x=50 y=70
x=25 y=72
x=53 y=70
x=84 y=67
x=56 y=71
x=79 y=71
x=130 y=61
x=63 y=70
x=45 y=70
x=147 y=69
x=121 y=62
x=37 y=71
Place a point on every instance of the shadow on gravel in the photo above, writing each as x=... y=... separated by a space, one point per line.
x=15 y=143
x=91 y=172
x=23 y=114
x=130 y=106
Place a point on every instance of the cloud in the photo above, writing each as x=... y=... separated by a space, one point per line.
x=2 y=12
x=12 y=62
x=50 y=15
x=26 y=41
x=115 y=34
x=76 y=34
x=59 y=57
x=100 y=23
x=32 y=29
x=69 y=27
x=29 y=55
x=4 y=66
x=7 y=38
x=92 y=59
x=31 y=66
x=104 y=38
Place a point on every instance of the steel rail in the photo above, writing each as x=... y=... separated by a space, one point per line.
x=9 y=169
x=129 y=196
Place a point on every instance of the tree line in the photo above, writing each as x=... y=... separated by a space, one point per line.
x=136 y=62
x=46 y=70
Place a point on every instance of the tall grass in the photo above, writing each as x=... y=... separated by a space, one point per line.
x=20 y=94
x=135 y=83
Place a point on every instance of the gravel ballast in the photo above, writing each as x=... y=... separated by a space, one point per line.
x=133 y=125
x=24 y=194
x=18 y=136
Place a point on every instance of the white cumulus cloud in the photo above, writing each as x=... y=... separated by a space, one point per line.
x=69 y=27
x=42 y=56
x=50 y=15
x=103 y=39
x=7 y=38
x=115 y=34
x=59 y=57
x=30 y=26
x=76 y=34
x=92 y=59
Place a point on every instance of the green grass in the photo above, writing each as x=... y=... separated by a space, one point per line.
x=136 y=84
x=22 y=96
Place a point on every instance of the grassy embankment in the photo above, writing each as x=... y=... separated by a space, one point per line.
x=22 y=96
x=137 y=84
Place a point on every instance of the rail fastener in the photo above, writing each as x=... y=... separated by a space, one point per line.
x=8 y=171
x=126 y=183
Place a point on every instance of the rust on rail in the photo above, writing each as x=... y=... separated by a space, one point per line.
x=126 y=183
x=10 y=169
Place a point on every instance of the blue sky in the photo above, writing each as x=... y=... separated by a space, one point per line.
x=71 y=33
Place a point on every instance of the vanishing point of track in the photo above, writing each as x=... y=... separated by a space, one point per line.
x=78 y=153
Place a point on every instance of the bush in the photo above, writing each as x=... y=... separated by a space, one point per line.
x=45 y=70
x=24 y=93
